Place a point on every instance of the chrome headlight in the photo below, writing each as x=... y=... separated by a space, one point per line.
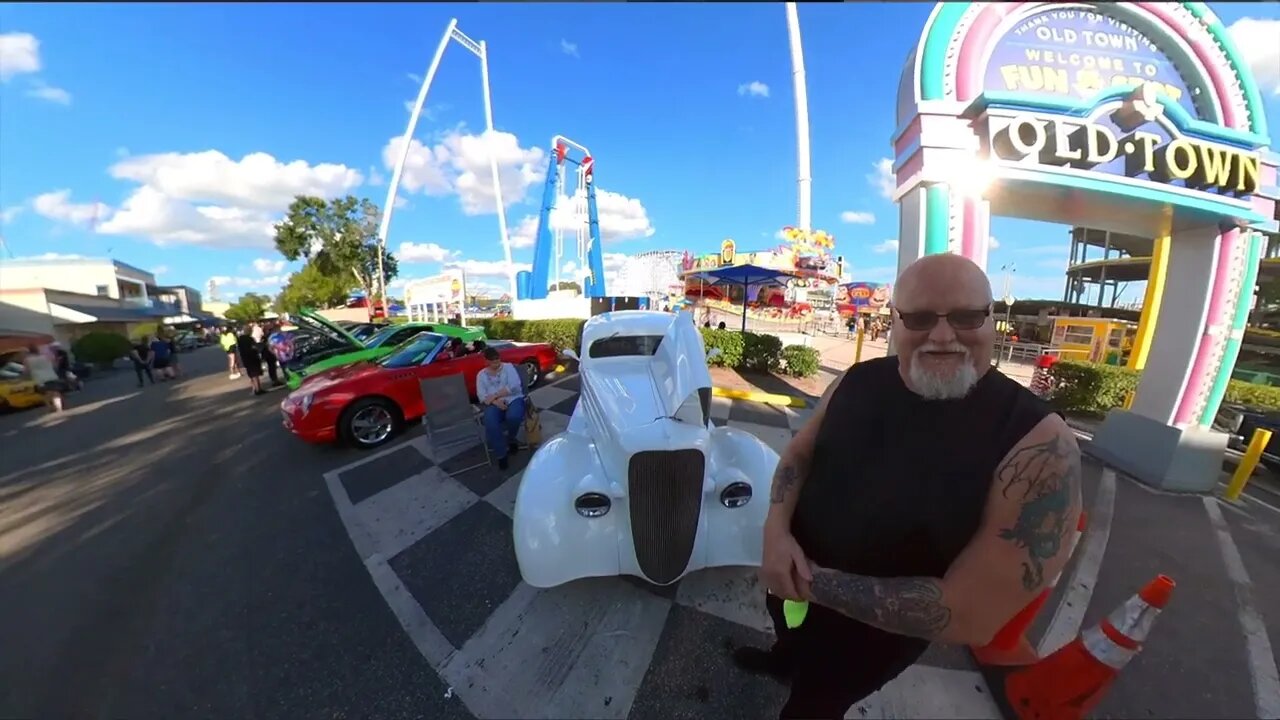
x=736 y=495
x=305 y=402
x=592 y=505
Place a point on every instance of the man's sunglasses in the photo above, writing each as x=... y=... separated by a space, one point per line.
x=957 y=319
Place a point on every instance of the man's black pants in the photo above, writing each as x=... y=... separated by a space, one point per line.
x=836 y=661
x=270 y=359
x=140 y=369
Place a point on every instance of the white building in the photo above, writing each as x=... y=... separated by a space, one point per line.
x=68 y=297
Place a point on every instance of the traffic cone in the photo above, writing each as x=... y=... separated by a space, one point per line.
x=1010 y=645
x=1068 y=684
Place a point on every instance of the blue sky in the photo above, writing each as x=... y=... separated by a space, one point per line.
x=171 y=136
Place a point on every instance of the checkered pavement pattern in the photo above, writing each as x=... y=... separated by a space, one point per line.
x=438 y=543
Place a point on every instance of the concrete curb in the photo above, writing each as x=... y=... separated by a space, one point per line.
x=760 y=397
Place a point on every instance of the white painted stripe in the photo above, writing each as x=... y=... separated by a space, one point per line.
x=404 y=513
x=1069 y=614
x=929 y=692
x=1262 y=662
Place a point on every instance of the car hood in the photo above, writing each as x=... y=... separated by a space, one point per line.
x=329 y=378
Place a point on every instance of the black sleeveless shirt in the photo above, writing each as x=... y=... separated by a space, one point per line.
x=897 y=484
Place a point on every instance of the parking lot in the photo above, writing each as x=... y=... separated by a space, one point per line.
x=172 y=552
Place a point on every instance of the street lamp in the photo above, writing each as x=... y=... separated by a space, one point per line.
x=1008 y=269
x=480 y=50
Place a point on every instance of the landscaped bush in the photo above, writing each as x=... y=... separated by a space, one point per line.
x=100 y=348
x=800 y=360
x=1090 y=387
x=562 y=334
x=1095 y=388
x=1259 y=396
x=762 y=353
x=730 y=344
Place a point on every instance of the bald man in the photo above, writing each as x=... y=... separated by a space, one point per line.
x=928 y=499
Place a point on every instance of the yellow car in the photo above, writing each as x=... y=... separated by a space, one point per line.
x=19 y=393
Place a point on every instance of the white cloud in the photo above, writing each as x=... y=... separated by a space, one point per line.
x=414 y=78
x=525 y=233
x=755 y=88
x=992 y=243
x=886 y=246
x=43 y=91
x=265 y=266
x=19 y=55
x=159 y=270
x=375 y=178
x=226 y=281
x=857 y=218
x=57 y=206
x=206 y=198
x=883 y=178
x=568 y=48
x=487 y=268
x=53 y=256
x=1258 y=40
x=459 y=164
x=423 y=252
x=9 y=214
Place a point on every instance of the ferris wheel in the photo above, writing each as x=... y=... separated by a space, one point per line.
x=654 y=274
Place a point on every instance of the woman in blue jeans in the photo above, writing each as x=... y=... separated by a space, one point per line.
x=500 y=391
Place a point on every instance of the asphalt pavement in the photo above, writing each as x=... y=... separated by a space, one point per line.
x=168 y=552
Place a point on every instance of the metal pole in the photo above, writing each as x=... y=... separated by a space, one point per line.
x=493 y=166
x=803 y=179
x=394 y=185
x=462 y=305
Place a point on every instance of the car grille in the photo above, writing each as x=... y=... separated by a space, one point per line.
x=665 y=492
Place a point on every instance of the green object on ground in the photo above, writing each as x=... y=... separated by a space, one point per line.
x=794 y=611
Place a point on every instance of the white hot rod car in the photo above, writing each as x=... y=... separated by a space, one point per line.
x=641 y=482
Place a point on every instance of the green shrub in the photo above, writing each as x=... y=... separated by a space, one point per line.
x=730 y=344
x=100 y=348
x=800 y=360
x=1094 y=388
x=1264 y=397
x=562 y=334
x=1090 y=387
x=762 y=353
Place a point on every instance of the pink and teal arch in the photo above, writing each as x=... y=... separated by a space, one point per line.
x=943 y=83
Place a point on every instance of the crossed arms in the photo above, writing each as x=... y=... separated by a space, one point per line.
x=1021 y=545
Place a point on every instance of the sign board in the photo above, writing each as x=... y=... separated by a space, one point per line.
x=1072 y=52
x=728 y=249
x=446 y=288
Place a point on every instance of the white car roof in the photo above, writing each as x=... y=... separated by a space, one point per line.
x=626 y=322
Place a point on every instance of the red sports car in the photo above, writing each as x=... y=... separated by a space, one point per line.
x=365 y=404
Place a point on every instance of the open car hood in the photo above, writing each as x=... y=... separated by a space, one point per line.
x=314 y=322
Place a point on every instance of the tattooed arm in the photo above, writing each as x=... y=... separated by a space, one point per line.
x=1020 y=548
x=793 y=467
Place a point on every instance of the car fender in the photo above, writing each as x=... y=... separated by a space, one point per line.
x=734 y=536
x=553 y=543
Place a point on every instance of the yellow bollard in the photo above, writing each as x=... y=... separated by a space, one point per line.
x=1257 y=444
x=857 y=349
x=1128 y=400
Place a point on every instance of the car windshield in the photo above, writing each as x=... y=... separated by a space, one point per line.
x=625 y=346
x=378 y=338
x=412 y=351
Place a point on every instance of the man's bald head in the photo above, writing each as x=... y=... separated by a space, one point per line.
x=942 y=275
x=943 y=328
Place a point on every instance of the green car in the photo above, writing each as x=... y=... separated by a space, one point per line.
x=321 y=344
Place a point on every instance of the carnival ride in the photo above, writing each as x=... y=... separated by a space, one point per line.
x=548 y=252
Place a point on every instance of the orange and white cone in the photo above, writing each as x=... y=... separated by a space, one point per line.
x=1010 y=645
x=1068 y=684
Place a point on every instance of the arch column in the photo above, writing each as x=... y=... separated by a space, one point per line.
x=1159 y=440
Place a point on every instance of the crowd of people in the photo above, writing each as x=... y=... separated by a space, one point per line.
x=249 y=350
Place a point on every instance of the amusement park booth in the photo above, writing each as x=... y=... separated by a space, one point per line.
x=1139 y=118
x=1092 y=339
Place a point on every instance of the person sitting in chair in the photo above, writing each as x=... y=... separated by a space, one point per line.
x=502 y=394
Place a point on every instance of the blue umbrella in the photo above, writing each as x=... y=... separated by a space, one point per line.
x=745 y=275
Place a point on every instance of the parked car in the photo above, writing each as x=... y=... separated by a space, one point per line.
x=187 y=341
x=641 y=483
x=327 y=345
x=366 y=403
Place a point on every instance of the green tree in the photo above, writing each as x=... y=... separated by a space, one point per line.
x=339 y=236
x=250 y=307
x=311 y=287
x=569 y=285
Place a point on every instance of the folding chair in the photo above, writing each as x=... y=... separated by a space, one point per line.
x=450 y=419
